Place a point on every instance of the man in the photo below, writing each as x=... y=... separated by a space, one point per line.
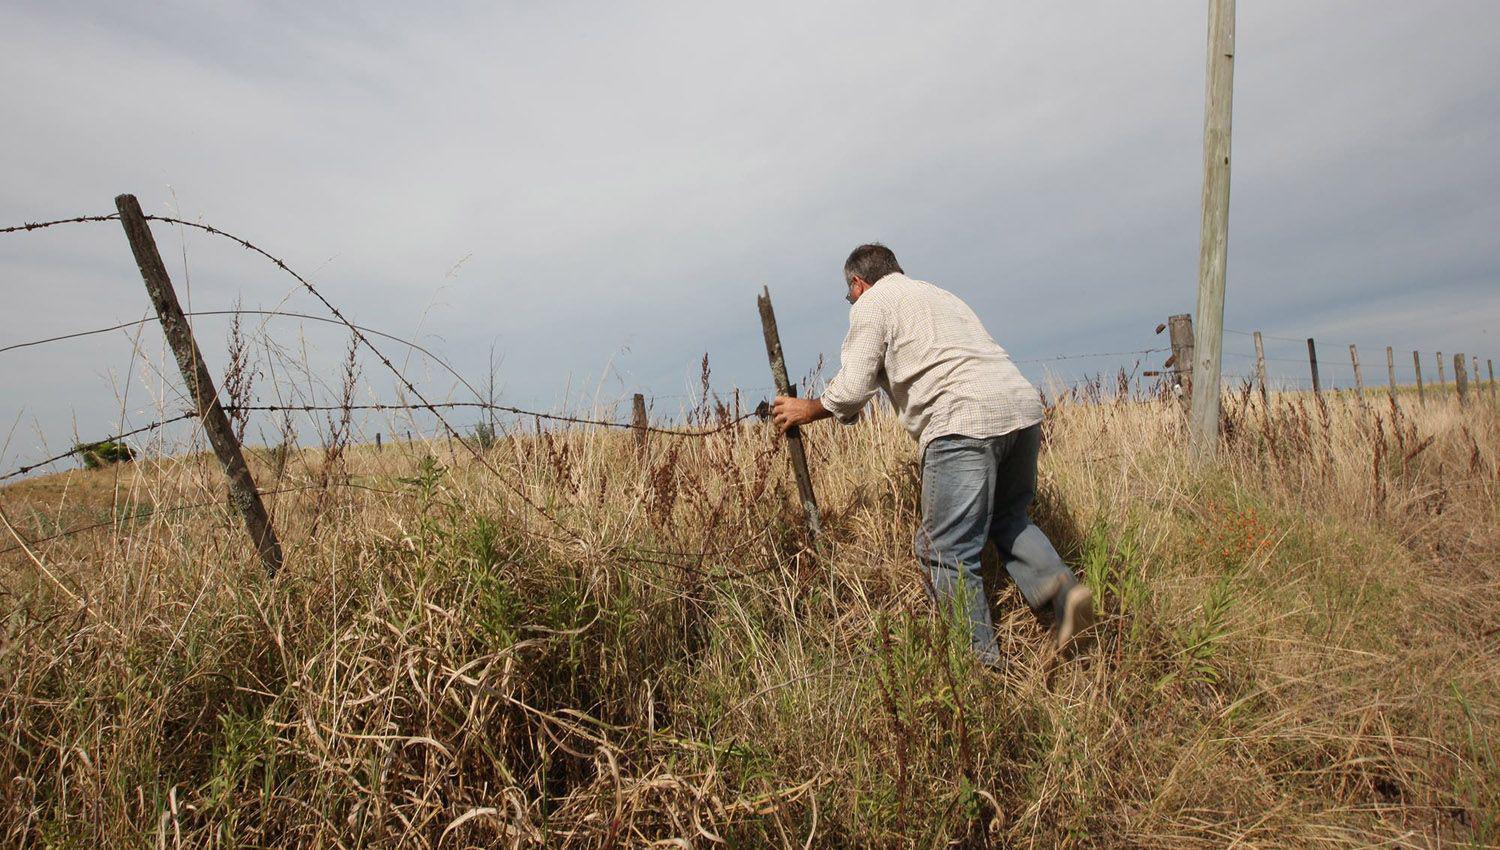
x=977 y=423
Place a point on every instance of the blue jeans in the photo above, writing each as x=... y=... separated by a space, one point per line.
x=975 y=490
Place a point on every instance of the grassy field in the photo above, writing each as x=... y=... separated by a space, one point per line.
x=1299 y=646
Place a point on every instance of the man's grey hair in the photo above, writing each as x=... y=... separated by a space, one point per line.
x=871 y=262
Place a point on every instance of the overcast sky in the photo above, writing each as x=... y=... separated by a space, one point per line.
x=599 y=191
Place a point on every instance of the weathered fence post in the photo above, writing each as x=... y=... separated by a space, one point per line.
x=1460 y=378
x=638 y=421
x=1416 y=362
x=1359 y=377
x=1180 y=332
x=1312 y=361
x=195 y=374
x=1390 y=368
x=1260 y=368
x=378 y=446
x=1442 y=375
x=793 y=435
x=1474 y=362
x=1490 y=365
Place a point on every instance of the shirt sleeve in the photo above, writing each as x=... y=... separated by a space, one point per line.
x=860 y=361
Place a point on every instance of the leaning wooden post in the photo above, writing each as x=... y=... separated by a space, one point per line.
x=1359 y=378
x=1312 y=361
x=1460 y=378
x=793 y=435
x=1416 y=362
x=638 y=422
x=1390 y=368
x=1180 y=332
x=1260 y=368
x=195 y=374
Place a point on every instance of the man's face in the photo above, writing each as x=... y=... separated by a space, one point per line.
x=857 y=286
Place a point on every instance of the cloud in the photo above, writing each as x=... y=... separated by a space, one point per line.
x=622 y=180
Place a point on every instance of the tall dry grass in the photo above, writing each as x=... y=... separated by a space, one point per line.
x=1298 y=648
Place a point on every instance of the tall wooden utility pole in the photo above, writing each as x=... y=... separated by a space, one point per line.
x=1208 y=342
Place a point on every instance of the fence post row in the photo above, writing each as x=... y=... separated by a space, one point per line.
x=638 y=421
x=1180 y=332
x=1460 y=378
x=793 y=435
x=1312 y=361
x=1359 y=377
x=195 y=374
x=1260 y=368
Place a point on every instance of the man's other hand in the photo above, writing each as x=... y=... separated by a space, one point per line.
x=788 y=412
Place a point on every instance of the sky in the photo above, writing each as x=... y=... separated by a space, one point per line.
x=590 y=195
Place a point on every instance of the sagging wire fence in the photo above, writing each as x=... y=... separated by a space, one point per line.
x=214 y=414
x=1119 y=385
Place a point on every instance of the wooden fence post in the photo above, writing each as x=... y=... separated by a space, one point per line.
x=1416 y=362
x=1359 y=378
x=793 y=435
x=638 y=421
x=1390 y=368
x=1442 y=375
x=1312 y=361
x=1460 y=378
x=1490 y=364
x=1180 y=332
x=1260 y=368
x=378 y=446
x=195 y=374
x=1474 y=363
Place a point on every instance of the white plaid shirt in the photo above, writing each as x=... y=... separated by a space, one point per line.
x=937 y=364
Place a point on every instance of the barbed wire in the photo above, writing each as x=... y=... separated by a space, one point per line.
x=359 y=334
x=1096 y=354
x=38 y=225
x=158 y=511
x=480 y=405
x=572 y=536
x=81 y=448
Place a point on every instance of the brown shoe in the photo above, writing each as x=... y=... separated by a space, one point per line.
x=1077 y=615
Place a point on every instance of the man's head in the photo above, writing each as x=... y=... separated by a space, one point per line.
x=866 y=265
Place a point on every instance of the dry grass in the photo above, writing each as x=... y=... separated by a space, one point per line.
x=1299 y=648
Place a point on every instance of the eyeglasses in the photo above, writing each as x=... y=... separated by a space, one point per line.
x=849 y=296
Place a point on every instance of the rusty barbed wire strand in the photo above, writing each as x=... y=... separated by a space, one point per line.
x=1095 y=354
x=245 y=311
x=156 y=511
x=480 y=405
x=84 y=447
x=38 y=225
x=696 y=569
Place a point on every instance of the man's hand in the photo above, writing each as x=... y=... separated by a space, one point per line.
x=788 y=412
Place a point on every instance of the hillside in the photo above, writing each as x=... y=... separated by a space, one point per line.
x=596 y=648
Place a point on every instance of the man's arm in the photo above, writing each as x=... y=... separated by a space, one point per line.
x=860 y=359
